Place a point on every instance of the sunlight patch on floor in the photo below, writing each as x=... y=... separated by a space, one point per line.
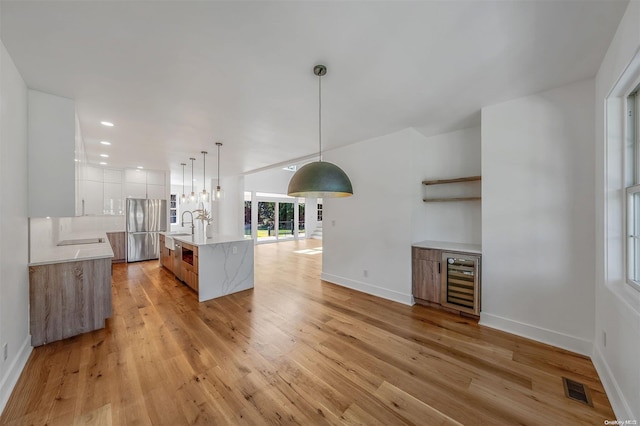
x=315 y=250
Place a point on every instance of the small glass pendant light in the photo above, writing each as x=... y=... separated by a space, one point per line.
x=192 y=196
x=204 y=196
x=219 y=193
x=183 y=199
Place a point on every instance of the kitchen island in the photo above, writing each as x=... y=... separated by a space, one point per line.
x=212 y=267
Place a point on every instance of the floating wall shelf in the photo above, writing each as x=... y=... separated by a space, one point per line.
x=454 y=180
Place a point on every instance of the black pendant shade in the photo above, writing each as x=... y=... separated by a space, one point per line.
x=321 y=180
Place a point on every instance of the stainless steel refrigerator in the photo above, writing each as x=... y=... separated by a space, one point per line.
x=145 y=220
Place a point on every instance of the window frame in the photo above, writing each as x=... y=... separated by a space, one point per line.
x=632 y=185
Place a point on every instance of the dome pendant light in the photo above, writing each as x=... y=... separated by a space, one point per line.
x=204 y=197
x=183 y=199
x=192 y=196
x=320 y=179
x=219 y=194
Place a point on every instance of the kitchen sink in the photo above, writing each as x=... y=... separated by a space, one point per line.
x=81 y=241
x=178 y=234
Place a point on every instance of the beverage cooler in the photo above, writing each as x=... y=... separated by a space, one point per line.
x=460 y=282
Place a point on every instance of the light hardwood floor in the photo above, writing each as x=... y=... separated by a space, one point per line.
x=293 y=350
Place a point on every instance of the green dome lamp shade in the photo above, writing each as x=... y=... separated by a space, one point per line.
x=320 y=179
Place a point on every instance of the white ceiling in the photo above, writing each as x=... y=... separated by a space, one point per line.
x=176 y=76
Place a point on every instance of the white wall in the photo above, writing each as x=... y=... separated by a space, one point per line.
x=617 y=310
x=274 y=181
x=450 y=155
x=371 y=230
x=230 y=210
x=14 y=278
x=537 y=216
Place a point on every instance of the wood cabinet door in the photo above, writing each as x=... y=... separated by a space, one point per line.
x=426 y=280
x=118 y=241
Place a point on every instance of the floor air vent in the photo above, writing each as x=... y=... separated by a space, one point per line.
x=576 y=391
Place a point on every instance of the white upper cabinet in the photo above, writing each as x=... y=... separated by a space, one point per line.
x=156 y=192
x=155 y=178
x=51 y=155
x=135 y=176
x=112 y=176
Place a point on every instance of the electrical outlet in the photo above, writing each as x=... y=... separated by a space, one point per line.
x=365 y=273
x=5 y=351
x=604 y=338
x=234 y=250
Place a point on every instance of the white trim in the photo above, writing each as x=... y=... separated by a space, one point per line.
x=615 y=395
x=406 y=299
x=550 y=337
x=14 y=371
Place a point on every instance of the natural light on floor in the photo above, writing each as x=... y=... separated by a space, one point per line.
x=316 y=250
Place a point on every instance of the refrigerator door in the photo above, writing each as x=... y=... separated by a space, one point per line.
x=157 y=215
x=136 y=215
x=137 y=246
x=153 y=245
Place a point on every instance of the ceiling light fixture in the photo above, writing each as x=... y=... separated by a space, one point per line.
x=105 y=143
x=102 y=163
x=140 y=167
x=219 y=194
x=104 y=155
x=192 y=196
x=183 y=199
x=320 y=179
x=106 y=123
x=204 y=197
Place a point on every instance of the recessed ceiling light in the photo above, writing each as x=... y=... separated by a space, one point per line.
x=106 y=123
x=140 y=167
x=75 y=159
x=102 y=163
x=104 y=155
x=105 y=143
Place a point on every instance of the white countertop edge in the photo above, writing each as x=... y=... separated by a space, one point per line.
x=445 y=245
x=200 y=241
x=67 y=260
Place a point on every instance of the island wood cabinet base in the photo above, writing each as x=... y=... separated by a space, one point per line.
x=68 y=299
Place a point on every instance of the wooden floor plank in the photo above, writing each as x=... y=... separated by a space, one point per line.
x=293 y=350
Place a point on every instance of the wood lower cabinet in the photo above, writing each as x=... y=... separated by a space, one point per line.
x=67 y=299
x=190 y=265
x=118 y=241
x=166 y=255
x=426 y=275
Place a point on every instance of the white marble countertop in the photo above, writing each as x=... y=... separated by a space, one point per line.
x=199 y=240
x=48 y=252
x=444 y=245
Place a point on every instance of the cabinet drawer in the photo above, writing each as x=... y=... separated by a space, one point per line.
x=426 y=254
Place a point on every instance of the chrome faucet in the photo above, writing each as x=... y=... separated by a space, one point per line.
x=193 y=226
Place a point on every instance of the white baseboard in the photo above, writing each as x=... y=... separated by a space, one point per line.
x=620 y=406
x=406 y=299
x=550 y=337
x=13 y=373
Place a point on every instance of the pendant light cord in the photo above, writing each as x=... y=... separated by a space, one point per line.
x=320 y=115
x=218 y=183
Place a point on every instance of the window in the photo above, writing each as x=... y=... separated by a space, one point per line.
x=632 y=182
x=173 y=209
